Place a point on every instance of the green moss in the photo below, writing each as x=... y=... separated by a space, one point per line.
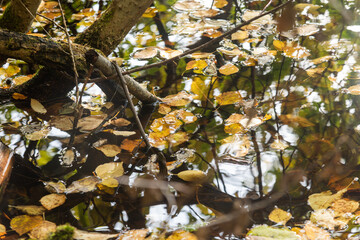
x=63 y=232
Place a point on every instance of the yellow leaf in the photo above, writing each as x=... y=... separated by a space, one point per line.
x=343 y=206
x=205 y=13
x=324 y=200
x=227 y=98
x=279 y=45
x=108 y=172
x=91 y=122
x=164 y=109
x=234 y=128
x=53 y=200
x=297 y=120
x=240 y=35
x=196 y=176
x=182 y=235
x=200 y=55
x=43 y=231
x=19 y=96
x=220 y=3
x=354 y=90
x=37 y=106
x=86 y=184
x=313 y=232
x=233 y=52
x=169 y=53
x=199 y=64
x=279 y=145
x=25 y=223
x=109 y=150
x=150 y=12
x=30 y=209
x=315 y=72
x=22 y=79
x=180 y=99
x=296 y=51
x=228 y=69
x=279 y=216
x=177 y=138
x=185 y=116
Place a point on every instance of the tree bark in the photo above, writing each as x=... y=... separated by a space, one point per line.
x=113 y=25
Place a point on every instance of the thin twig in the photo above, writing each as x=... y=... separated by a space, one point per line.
x=51 y=20
x=209 y=43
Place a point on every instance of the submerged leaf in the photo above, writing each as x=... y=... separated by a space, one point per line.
x=25 y=223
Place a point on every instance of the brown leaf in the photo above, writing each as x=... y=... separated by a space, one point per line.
x=130 y=145
x=43 y=231
x=30 y=209
x=109 y=150
x=147 y=53
x=53 y=200
x=25 y=223
x=37 y=106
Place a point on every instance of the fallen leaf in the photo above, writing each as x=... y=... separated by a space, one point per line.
x=279 y=45
x=269 y=233
x=19 y=96
x=80 y=234
x=315 y=72
x=198 y=64
x=182 y=235
x=30 y=209
x=53 y=200
x=295 y=120
x=279 y=216
x=120 y=122
x=188 y=5
x=220 y=3
x=146 y=53
x=227 y=98
x=240 y=35
x=37 y=106
x=344 y=206
x=228 y=69
x=313 y=232
x=86 y=184
x=37 y=135
x=164 y=109
x=249 y=14
x=108 y=172
x=43 y=231
x=195 y=176
x=129 y=145
x=205 y=13
x=25 y=223
x=168 y=53
x=22 y=79
x=177 y=138
x=62 y=122
x=180 y=99
x=354 y=90
x=137 y=234
x=307 y=30
x=109 y=150
x=150 y=12
x=279 y=145
x=120 y=133
x=90 y=123
x=55 y=187
x=324 y=200
x=326 y=218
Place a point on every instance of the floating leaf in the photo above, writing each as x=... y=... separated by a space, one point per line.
x=279 y=216
x=43 y=231
x=296 y=51
x=30 y=209
x=120 y=122
x=90 y=123
x=315 y=72
x=228 y=69
x=108 y=172
x=53 y=200
x=227 y=98
x=354 y=90
x=80 y=234
x=311 y=8
x=37 y=106
x=326 y=218
x=198 y=64
x=313 y=232
x=177 y=138
x=195 y=176
x=130 y=145
x=297 y=120
x=62 y=122
x=180 y=99
x=322 y=59
x=240 y=35
x=147 y=53
x=37 y=135
x=185 y=116
x=279 y=45
x=269 y=233
x=188 y=5
x=182 y=235
x=200 y=55
x=19 y=96
x=25 y=223
x=205 y=13
x=164 y=109
x=137 y=234
x=307 y=30
x=86 y=184
x=279 y=145
x=234 y=128
x=120 y=133
x=55 y=187
x=169 y=53
x=22 y=79
x=109 y=150
x=344 y=206
x=220 y=3
x=324 y=200
x=233 y=52
x=249 y=14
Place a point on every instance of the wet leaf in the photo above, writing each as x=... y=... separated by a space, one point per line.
x=198 y=55
x=354 y=90
x=185 y=116
x=198 y=64
x=269 y=233
x=30 y=209
x=147 y=53
x=188 y=5
x=297 y=120
x=205 y=13
x=249 y=14
x=326 y=218
x=62 y=122
x=182 y=235
x=315 y=72
x=279 y=145
x=120 y=133
x=168 y=53
x=37 y=135
x=195 y=176
x=233 y=52
x=137 y=234
x=177 y=138
x=55 y=187
x=325 y=199
x=234 y=128
x=150 y=12
x=120 y=122
x=311 y=8
x=228 y=69
x=109 y=150
x=180 y=99
x=22 y=79
x=322 y=59
x=89 y=123
x=220 y=3
x=227 y=98
x=240 y=35
x=313 y=232
x=296 y=51
x=279 y=45
x=343 y=206
x=53 y=200
x=247 y=122
x=43 y=231
x=164 y=109
x=108 y=172
x=80 y=234
x=86 y=184
x=130 y=145
x=307 y=30
x=279 y=216
x=25 y=223
x=37 y=106
x=19 y=96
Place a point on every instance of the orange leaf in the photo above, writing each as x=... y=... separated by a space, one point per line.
x=18 y=96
